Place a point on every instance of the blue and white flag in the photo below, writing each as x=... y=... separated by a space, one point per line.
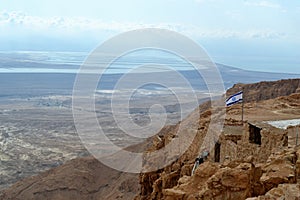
x=236 y=98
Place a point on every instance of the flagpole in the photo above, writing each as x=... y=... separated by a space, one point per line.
x=243 y=108
x=242 y=111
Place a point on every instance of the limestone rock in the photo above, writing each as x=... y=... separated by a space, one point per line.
x=266 y=90
x=283 y=191
x=280 y=169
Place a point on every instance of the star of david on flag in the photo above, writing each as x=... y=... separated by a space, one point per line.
x=236 y=98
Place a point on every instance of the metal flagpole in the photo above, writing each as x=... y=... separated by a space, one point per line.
x=243 y=107
x=242 y=111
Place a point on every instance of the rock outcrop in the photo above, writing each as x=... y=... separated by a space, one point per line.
x=266 y=90
x=239 y=180
x=283 y=191
x=240 y=176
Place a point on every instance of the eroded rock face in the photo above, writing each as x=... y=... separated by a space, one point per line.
x=279 y=169
x=153 y=184
x=283 y=191
x=236 y=180
x=267 y=90
x=238 y=177
x=283 y=168
x=212 y=182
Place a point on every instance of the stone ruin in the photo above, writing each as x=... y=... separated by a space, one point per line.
x=257 y=139
x=254 y=160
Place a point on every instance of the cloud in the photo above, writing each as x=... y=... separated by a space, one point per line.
x=65 y=26
x=70 y=24
x=231 y=34
x=266 y=4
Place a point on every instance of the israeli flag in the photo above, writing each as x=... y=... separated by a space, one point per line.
x=236 y=98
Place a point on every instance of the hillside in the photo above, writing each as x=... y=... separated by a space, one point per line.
x=243 y=167
x=82 y=178
x=244 y=170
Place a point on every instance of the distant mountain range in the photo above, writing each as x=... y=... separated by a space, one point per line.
x=35 y=84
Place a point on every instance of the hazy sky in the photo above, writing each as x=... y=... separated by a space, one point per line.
x=252 y=34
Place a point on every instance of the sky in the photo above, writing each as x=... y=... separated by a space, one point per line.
x=258 y=35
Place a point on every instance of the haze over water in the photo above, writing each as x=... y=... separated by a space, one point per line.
x=69 y=62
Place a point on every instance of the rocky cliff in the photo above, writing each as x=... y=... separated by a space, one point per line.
x=241 y=179
x=247 y=174
x=239 y=175
x=266 y=90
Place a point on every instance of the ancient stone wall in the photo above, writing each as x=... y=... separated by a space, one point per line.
x=241 y=146
x=228 y=151
x=293 y=133
x=271 y=138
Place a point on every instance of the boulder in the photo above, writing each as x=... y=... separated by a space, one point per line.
x=279 y=169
